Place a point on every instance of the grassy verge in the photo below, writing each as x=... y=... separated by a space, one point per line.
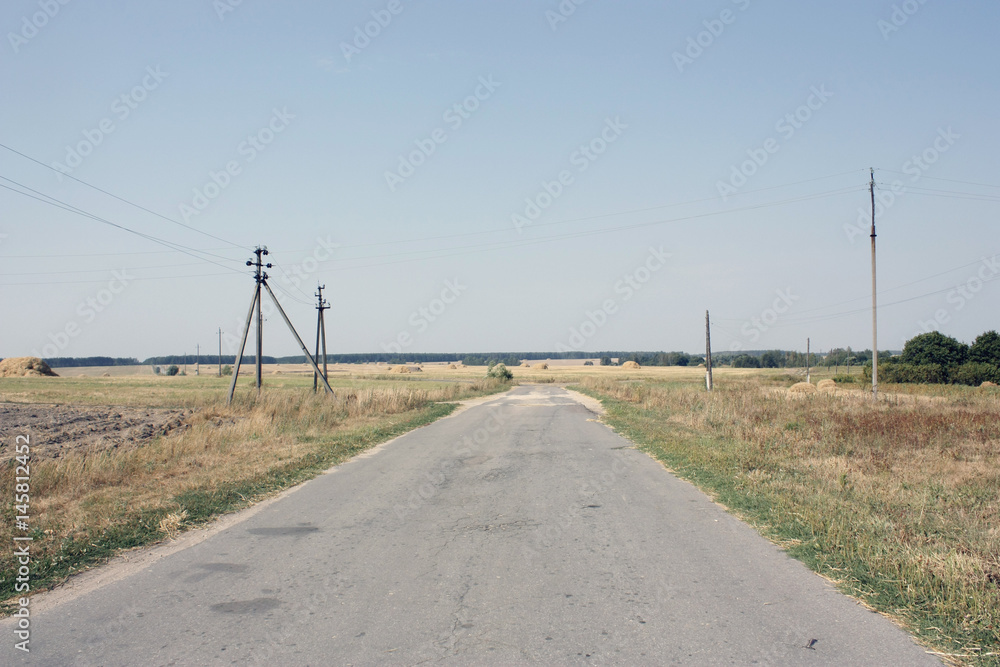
x=898 y=504
x=85 y=508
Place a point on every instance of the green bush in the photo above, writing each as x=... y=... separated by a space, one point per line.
x=975 y=373
x=897 y=372
x=173 y=370
x=500 y=372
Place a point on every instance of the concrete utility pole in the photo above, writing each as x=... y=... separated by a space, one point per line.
x=261 y=277
x=807 y=359
x=871 y=188
x=261 y=282
x=708 y=352
x=321 y=305
x=197 y=359
x=220 y=351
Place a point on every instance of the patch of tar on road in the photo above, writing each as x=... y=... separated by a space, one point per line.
x=255 y=606
x=283 y=531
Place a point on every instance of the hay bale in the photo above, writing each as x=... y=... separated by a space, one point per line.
x=452 y=367
x=21 y=367
x=106 y=375
x=802 y=388
x=402 y=369
x=526 y=364
x=826 y=386
x=988 y=384
x=541 y=367
x=631 y=365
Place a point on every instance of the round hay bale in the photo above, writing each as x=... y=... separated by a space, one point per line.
x=802 y=388
x=631 y=365
x=988 y=384
x=105 y=375
x=541 y=367
x=20 y=367
x=826 y=386
x=401 y=369
x=452 y=367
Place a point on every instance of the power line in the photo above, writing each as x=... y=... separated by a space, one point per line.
x=52 y=201
x=121 y=199
x=569 y=235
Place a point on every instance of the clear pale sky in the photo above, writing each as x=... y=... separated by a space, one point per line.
x=533 y=175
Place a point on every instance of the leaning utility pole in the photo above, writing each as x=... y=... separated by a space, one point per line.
x=322 y=305
x=261 y=280
x=708 y=352
x=871 y=188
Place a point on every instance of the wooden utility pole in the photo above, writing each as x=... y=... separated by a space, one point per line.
x=220 y=351
x=320 y=329
x=871 y=188
x=708 y=352
x=197 y=359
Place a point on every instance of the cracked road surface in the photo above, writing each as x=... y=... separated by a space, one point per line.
x=517 y=531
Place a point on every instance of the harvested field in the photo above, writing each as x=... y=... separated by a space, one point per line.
x=59 y=430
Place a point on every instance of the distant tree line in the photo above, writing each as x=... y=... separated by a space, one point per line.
x=934 y=358
x=73 y=362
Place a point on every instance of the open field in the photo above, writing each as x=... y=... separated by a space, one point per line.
x=93 y=501
x=899 y=504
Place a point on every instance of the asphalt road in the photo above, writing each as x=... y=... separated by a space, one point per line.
x=519 y=531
